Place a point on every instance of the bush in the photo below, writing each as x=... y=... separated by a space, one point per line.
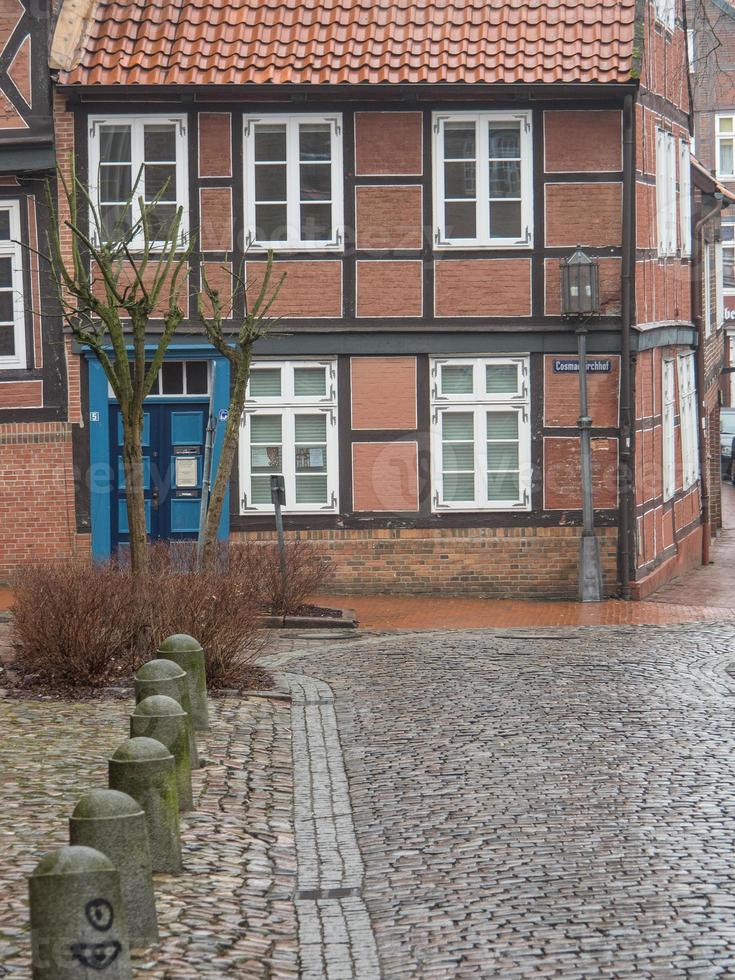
x=79 y=624
x=307 y=571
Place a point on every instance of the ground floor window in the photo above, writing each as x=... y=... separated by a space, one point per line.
x=289 y=429
x=688 y=420
x=12 y=305
x=481 y=433
x=669 y=431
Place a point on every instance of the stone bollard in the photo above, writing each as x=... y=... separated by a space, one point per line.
x=162 y=718
x=145 y=770
x=78 y=926
x=166 y=677
x=114 y=823
x=189 y=655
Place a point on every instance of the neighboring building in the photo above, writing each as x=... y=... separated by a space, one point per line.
x=420 y=172
x=37 y=517
x=711 y=32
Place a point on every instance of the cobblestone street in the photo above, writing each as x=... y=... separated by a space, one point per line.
x=549 y=804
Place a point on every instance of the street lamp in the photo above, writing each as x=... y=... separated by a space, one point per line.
x=580 y=301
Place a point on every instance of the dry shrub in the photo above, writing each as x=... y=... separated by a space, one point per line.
x=218 y=605
x=76 y=624
x=90 y=625
x=308 y=571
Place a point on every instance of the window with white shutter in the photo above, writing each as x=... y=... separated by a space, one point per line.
x=289 y=429
x=666 y=217
x=481 y=434
x=669 y=431
x=688 y=420
x=685 y=198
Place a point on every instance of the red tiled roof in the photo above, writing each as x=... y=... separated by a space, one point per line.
x=318 y=42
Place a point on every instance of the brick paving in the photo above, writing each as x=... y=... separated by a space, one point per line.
x=542 y=803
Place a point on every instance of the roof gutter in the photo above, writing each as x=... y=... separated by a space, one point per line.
x=409 y=91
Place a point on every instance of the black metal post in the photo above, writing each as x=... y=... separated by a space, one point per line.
x=590 y=572
x=278 y=496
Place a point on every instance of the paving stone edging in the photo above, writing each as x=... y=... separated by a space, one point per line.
x=335 y=934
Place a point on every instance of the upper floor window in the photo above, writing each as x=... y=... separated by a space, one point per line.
x=130 y=158
x=725 y=146
x=290 y=429
x=665 y=12
x=12 y=305
x=481 y=434
x=728 y=255
x=666 y=192
x=669 y=431
x=685 y=198
x=293 y=182
x=707 y=284
x=483 y=191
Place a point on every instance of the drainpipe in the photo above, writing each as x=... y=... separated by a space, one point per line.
x=627 y=499
x=697 y=282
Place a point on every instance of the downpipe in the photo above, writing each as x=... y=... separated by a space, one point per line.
x=627 y=502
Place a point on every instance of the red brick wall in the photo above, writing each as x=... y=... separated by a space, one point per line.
x=563 y=475
x=385 y=476
x=310 y=289
x=216 y=219
x=483 y=287
x=509 y=562
x=577 y=140
x=561 y=395
x=215 y=144
x=584 y=214
x=388 y=217
x=389 y=289
x=388 y=143
x=36 y=495
x=383 y=392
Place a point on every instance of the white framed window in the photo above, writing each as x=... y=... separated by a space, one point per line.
x=719 y=290
x=727 y=236
x=685 y=198
x=294 y=182
x=725 y=151
x=480 y=433
x=289 y=429
x=483 y=180
x=691 y=50
x=666 y=192
x=12 y=303
x=688 y=420
x=707 y=288
x=668 y=385
x=139 y=156
x=666 y=12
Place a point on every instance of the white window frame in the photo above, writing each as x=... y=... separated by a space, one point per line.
x=719 y=136
x=12 y=249
x=666 y=192
x=137 y=124
x=719 y=288
x=691 y=49
x=707 y=288
x=727 y=246
x=685 y=198
x=482 y=211
x=688 y=420
x=294 y=242
x=666 y=13
x=288 y=405
x=668 y=400
x=479 y=404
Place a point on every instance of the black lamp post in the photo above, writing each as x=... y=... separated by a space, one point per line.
x=580 y=301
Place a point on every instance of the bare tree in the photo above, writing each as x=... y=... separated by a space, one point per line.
x=110 y=281
x=235 y=342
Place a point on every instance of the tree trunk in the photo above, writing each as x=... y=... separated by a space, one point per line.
x=224 y=467
x=133 y=465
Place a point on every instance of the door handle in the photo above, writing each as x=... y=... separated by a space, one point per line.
x=154 y=498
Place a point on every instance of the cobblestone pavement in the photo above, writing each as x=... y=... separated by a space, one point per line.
x=231 y=912
x=557 y=804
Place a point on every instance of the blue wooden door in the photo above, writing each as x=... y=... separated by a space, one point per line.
x=173 y=456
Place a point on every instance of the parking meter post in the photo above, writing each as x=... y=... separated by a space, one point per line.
x=278 y=496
